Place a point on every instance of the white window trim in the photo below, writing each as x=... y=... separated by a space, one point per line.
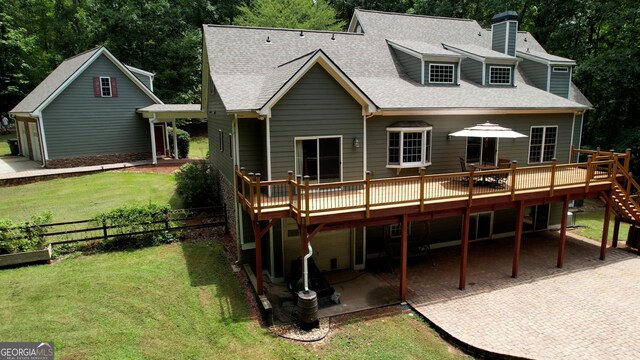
x=561 y=69
x=424 y=131
x=110 y=87
x=544 y=132
x=453 y=73
x=295 y=153
x=398 y=227
x=501 y=67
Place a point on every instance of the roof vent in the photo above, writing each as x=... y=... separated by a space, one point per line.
x=301 y=33
x=333 y=37
x=479 y=33
x=525 y=40
x=268 y=40
x=528 y=50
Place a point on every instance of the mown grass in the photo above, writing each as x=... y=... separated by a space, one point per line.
x=591 y=221
x=198 y=147
x=81 y=197
x=178 y=301
x=4 y=145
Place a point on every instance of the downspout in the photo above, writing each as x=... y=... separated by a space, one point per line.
x=305 y=266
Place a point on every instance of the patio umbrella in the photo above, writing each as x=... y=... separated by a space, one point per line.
x=488 y=130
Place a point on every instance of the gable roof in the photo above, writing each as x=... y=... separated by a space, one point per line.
x=63 y=76
x=247 y=64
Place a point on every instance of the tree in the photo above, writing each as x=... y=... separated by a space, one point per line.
x=292 y=14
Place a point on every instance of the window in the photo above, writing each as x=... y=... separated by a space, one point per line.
x=499 y=75
x=542 y=143
x=441 y=73
x=230 y=146
x=395 y=230
x=220 y=140
x=105 y=86
x=409 y=147
x=562 y=69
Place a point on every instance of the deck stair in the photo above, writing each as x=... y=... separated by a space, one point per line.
x=624 y=196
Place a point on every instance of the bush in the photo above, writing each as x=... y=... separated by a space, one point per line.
x=150 y=218
x=183 y=142
x=21 y=237
x=196 y=185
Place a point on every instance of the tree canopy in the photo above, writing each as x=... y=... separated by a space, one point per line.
x=292 y=14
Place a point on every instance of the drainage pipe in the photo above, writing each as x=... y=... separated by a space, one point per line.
x=305 y=266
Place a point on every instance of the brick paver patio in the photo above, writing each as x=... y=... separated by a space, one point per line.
x=587 y=310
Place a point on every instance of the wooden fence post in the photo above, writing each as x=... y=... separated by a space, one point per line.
x=514 y=164
x=554 y=162
x=367 y=193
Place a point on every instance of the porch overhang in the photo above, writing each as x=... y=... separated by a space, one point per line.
x=170 y=112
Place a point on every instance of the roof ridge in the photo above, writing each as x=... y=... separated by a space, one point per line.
x=83 y=53
x=298 y=58
x=282 y=29
x=414 y=15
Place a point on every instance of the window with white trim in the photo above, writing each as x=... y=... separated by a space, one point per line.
x=499 y=75
x=408 y=147
x=395 y=230
x=542 y=143
x=105 y=86
x=560 y=69
x=441 y=73
x=220 y=141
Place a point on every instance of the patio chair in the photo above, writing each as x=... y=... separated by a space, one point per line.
x=463 y=167
x=500 y=180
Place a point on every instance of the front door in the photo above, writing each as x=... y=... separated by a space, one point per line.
x=319 y=158
x=482 y=151
x=160 y=139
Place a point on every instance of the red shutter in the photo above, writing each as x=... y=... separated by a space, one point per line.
x=114 y=87
x=97 y=91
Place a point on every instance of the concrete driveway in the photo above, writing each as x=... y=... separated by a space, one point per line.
x=587 y=310
x=14 y=164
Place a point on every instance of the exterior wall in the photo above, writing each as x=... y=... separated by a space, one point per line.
x=498 y=36
x=411 y=65
x=560 y=83
x=316 y=106
x=445 y=153
x=513 y=32
x=252 y=137
x=472 y=70
x=218 y=120
x=535 y=72
x=78 y=124
x=146 y=80
x=487 y=74
x=426 y=72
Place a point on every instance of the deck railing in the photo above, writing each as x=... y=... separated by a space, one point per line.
x=303 y=199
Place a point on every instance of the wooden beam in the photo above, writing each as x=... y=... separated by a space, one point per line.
x=302 y=229
x=563 y=232
x=257 y=234
x=315 y=232
x=616 y=231
x=605 y=230
x=403 y=258
x=517 y=240
x=464 y=248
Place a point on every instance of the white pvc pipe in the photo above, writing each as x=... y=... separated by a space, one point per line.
x=305 y=267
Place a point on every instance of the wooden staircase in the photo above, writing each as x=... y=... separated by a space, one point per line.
x=624 y=195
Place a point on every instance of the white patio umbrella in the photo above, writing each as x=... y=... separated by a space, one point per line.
x=488 y=130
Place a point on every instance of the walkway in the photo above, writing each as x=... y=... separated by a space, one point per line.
x=587 y=310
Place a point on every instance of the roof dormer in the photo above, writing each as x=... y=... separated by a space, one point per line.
x=426 y=63
x=485 y=66
x=548 y=72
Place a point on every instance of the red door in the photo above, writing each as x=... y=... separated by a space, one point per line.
x=160 y=139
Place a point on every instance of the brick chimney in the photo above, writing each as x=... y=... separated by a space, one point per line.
x=504 y=29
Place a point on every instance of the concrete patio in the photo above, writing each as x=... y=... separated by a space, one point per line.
x=586 y=310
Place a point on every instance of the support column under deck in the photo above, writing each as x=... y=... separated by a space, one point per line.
x=616 y=232
x=517 y=240
x=563 y=231
x=403 y=258
x=605 y=231
x=464 y=248
x=258 y=239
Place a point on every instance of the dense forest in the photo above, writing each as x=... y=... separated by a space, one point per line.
x=164 y=37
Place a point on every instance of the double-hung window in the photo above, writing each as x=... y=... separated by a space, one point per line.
x=499 y=75
x=105 y=86
x=542 y=143
x=408 y=146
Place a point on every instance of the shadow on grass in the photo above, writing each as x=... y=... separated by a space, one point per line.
x=209 y=270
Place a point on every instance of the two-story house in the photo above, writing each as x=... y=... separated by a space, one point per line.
x=343 y=137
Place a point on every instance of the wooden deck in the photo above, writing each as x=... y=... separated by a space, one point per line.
x=304 y=201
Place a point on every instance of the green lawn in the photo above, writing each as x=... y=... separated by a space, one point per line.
x=179 y=301
x=81 y=197
x=591 y=220
x=198 y=147
x=4 y=146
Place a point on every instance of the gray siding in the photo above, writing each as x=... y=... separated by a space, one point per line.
x=411 y=65
x=316 y=106
x=426 y=72
x=445 y=153
x=513 y=32
x=472 y=70
x=487 y=74
x=498 y=36
x=560 y=83
x=252 y=136
x=77 y=123
x=218 y=119
x=144 y=79
x=577 y=131
x=535 y=72
x=555 y=214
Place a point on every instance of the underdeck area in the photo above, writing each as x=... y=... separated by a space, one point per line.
x=585 y=310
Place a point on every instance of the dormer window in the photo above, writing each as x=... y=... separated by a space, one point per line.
x=441 y=73
x=560 y=69
x=499 y=75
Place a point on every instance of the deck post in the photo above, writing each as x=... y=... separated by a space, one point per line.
x=464 y=247
x=518 y=240
x=403 y=257
x=290 y=189
x=563 y=231
x=472 y=169
x=306 y=198
x=258 y=240
x=514 y=165
x=302 y=229
x=588 y=173
x=627 y=159
x=421 y=189
x=554 y=162
x=298 y=197
x=258 y=193
x=605 y=229
x=367 y=193
x=571 y=154
x=616 y=231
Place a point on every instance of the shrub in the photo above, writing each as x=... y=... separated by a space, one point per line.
x=149 y=220
x=183 y=142
x=21 y=237
x=196 y=185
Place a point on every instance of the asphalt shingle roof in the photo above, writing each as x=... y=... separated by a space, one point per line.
x=247 y=70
